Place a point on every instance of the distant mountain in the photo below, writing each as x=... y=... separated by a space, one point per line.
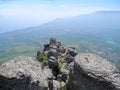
x=108 y=12
x=87 y=23
x=97 y=22
x=90 y=33
x=103 y=24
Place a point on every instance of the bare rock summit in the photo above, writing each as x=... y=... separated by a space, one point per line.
x=91 y=72
x=24 y=73
x=59 y=68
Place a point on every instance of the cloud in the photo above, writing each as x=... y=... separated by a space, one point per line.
x=44 y=12
x=35 y=12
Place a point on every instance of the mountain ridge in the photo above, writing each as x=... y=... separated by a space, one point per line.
x=97 y=12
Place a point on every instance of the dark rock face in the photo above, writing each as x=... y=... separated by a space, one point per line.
x=24 y=73
x=19 y=84
x=90 y=72
x=72 y=51
x=39 y=56
x=51 y=62
x=69 y=58
x=46 y=47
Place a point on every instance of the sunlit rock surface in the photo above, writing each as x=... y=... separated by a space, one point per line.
x=23 y=73
x=91 y=72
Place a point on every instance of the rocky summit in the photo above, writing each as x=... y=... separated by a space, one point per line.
x=91 y=72
x=59 y=68
x=24 y=73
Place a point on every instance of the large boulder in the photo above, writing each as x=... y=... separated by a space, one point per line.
x=24 y=73
x=91 y=72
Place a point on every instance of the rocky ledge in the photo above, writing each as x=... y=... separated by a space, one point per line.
x=23 y=73
x=59 y=68
x=91 y=72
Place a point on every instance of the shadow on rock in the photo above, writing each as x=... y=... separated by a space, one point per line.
x=19 y=84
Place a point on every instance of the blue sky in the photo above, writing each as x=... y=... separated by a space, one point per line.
x=17 y=14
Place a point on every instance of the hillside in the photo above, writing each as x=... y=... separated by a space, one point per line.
x=97 y=33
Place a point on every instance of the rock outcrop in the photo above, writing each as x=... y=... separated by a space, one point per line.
x=49 y=71
x=57 y=59
x=91 y=72
x=24 y=73
x=59 y=68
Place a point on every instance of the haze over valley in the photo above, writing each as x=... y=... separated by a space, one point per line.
x=91 y=28
x=89 y=33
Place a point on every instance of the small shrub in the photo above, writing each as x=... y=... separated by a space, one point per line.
x=74 y=83
x=56 y=68
x=64 y=88
x=45 y=58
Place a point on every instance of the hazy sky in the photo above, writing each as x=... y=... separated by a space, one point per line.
x=17 y=14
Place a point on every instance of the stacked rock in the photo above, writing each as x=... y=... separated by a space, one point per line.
x=59 y=59
x=71 y=53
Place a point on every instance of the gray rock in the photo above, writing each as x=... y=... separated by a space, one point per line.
x=52 y=60
x=59 y=77
x=24 y=73
x=92 y=72
x=50 y=84
x=46 y=52
x=53 y=52
x=52 y=41
x=56 y=85
x=64 y=68
x=72 y=52
x=46 y=47
x=53 y=47
x=71 y=67
x=65 y=77
x=58 y=44
x=39 y=56
x=64 y=72
x=61 y=49
x=69 y=58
